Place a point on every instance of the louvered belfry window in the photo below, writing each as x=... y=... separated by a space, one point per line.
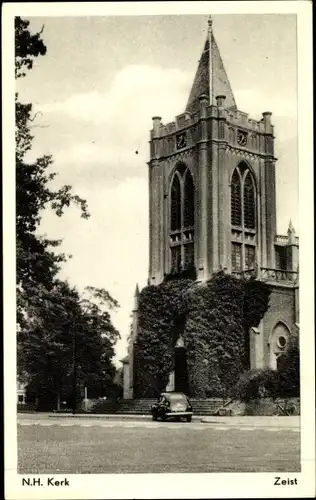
x=181 y=220
x=249 y=202
x=243 y=204
x=175 y=204
x=243 y=219
x=188 y=200
x=236 y=199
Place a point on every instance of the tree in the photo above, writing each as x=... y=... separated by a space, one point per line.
x=50 y=314
x=57 y=318
x=27 y=46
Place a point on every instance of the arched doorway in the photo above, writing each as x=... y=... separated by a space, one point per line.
x=178 y=378
x=180 y=368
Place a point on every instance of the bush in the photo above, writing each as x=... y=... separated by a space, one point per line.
x=256 y=384
x=289 y=370
x=283 y=383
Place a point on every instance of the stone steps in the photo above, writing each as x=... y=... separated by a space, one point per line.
x=142 y=406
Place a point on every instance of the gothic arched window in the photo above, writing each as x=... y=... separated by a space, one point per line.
x=236 y=199
x=188 y=200
x=181 y=220
x=175 y=204
x=243 y=220
x=249 y=202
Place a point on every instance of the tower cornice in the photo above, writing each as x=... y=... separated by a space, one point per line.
x=246 y=153
x=223 y=144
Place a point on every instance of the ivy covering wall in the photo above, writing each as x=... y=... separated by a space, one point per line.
x=213 y=318
x=161 y=317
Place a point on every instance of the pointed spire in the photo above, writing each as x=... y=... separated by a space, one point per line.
x=291 y=228
x=136 y=291
x=291 y=233
x=210 y=78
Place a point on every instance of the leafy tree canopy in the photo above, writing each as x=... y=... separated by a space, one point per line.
x=50 y=313
x=27 y=46
x=55 y=320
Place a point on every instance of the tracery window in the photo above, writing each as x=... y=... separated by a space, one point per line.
x=175 y=204
x=188 y=200
x=249 y=202
x=236 y=199
x=243 y=219
x=181 y=220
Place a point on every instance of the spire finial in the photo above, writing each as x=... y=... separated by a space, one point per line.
x=210 y=24
x=291 y=227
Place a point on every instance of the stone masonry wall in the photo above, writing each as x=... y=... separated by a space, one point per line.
x=281 y=308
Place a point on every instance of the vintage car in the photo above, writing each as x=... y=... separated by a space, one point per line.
x=172 y=405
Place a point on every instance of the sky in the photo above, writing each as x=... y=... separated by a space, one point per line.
x=98 y=86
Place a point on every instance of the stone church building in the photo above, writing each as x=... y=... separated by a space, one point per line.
x=212 y=202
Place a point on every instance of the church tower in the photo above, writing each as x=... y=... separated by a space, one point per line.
x=211 y=182
x=212 y=206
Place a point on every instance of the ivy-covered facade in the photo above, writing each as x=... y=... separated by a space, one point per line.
x=211 y=318
x=222 y=284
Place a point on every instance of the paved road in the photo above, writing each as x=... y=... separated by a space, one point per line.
x=113 y=445
x=270 y=424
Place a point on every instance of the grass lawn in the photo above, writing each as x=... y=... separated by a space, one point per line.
x=67 y=450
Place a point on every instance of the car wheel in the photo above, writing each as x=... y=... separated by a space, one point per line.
x=154 y=417
x=189 y=419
